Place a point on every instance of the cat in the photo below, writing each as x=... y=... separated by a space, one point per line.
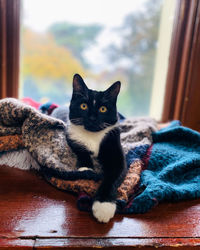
x=93 y=132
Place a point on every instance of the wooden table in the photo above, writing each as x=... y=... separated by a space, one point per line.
x=33 y=214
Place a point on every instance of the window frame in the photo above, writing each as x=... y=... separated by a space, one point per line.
x=182 y=102
x=9 y=47
x=183 y=76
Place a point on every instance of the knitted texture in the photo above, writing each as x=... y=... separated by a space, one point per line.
x=42 y=135
x=169 y=168
x=173 y=171
x=11 y=142
x=89 y=187
x=46 y=149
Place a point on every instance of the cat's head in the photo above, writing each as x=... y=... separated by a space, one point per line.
x=94 y=110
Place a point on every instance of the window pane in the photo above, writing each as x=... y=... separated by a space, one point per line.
x=102 y=40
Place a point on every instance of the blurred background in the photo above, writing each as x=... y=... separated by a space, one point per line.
x=104 y=41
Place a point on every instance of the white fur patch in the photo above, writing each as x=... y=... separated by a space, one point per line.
x=20 y=159
x=85 y=169
x=103 y=211
x=91 y=140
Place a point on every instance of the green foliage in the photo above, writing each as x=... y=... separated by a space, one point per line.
x=47 y=68
x=138 y=35
x=50 y=60
x=44 y=59
x=74 y=37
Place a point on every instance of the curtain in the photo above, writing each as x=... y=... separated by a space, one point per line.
x=9 y=47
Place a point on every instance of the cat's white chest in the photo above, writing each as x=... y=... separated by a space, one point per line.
x=91 y=140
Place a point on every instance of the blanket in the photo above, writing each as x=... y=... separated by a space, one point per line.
x=32 y=140
x=173 y=170
x=162 y=165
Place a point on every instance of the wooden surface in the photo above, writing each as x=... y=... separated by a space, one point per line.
x=35 y=214
x=9 y=47
x=182 y=95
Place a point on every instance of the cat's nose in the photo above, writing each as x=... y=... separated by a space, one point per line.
x=92 y=118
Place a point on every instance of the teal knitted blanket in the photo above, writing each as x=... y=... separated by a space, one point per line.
x=173 y=169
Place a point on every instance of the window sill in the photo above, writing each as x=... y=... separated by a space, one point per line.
x=35 y=214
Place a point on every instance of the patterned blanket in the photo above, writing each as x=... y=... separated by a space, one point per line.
x=173 y=170
x=163 y=165
x=32 y=140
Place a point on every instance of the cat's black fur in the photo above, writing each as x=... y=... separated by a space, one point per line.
x=110 y=154
x=92 y=119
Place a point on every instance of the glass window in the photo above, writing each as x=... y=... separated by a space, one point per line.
x=104 y=41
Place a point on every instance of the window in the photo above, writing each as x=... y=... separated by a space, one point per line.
x=182 y=95
x=129 y=42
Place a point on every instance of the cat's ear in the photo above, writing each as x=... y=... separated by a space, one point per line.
x=79 y=85
x=113 y=90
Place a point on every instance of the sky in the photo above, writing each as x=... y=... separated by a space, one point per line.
x=40 y=14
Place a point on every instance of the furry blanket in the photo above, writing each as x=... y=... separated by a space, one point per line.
x=32 y=140
x=162 y=165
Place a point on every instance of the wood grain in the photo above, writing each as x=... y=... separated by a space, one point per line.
x=9 y=47
x=182 y=97
x=191 y=103
x=32 y=209
x=16 y=244
x=120 y=243
x=2 y=48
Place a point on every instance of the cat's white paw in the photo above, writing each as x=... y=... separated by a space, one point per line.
x=103 y=211
x=84 y=169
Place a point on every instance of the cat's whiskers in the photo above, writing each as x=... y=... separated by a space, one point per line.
x=102 y=126
x=77 y=121
x=105 y=125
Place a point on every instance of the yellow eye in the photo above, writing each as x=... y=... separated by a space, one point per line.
x=102 y=109
x=83 y=106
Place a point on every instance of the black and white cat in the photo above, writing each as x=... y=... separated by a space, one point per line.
x=93 y=131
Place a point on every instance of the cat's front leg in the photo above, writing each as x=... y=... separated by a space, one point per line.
x=103 y=211
x=84 y=161
x=112 y=160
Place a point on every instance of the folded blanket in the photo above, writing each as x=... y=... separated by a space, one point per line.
x=45 y=148
x=11 y=142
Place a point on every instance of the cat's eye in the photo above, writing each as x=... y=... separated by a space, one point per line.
x=102 y=109
x=83 y=106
